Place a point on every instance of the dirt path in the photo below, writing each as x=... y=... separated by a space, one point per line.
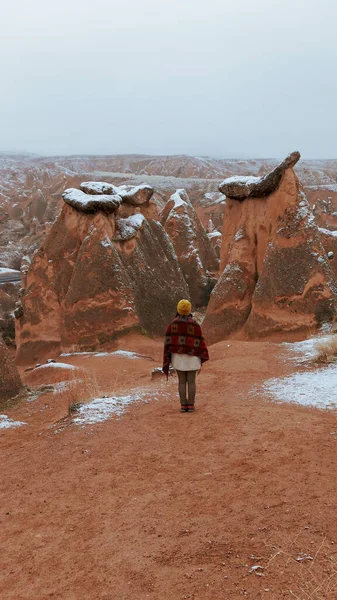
x=170 y=506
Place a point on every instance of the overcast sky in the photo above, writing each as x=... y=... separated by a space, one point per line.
x=226 y=78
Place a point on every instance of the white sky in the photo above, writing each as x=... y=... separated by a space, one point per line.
x=206 y=77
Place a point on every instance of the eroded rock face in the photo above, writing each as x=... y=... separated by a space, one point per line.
x=157 y=281
x=10 y=382
x=96 y=277
x=276 y=277
x=215 y=237
x=195 y=253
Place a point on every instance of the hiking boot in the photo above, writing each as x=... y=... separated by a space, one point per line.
x=190 y=408
x=183 y=408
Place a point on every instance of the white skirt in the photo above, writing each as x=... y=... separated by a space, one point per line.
x=184 y=362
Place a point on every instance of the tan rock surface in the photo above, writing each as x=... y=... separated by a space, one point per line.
x=276 y=277
x=10 y=382
x=196 y=255
x=96 y=277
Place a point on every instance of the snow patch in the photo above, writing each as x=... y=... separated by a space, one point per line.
x=7 y=423
x=106 y=243
x=101 y=409
x=308 y=388
x=91 y=202
x=240 y=235
x=136 y=220
x=327 y=232
x=129 y=191
x=243 y=180
x=127 y=228
x=314 y=388
x=118 y=353
x=125 y=354
x=5 y=271
x=57 y=365
x=307 y=349
x=231 y=270
x=214 y=234
x=98 y=187
x=178 y=198
x=62 y=386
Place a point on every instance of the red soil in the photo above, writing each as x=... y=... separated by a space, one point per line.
x=167 y=506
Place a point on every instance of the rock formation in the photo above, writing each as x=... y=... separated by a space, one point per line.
x=196 y=255
x=240 y=188
x=276 y=278
x=105 y=268
x=10 y=382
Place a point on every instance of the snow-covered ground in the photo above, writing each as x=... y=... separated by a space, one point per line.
x=305 y=351
x=7 y=423
x=57 y=366
x=101 y=409
x=117 y=353
x=309 y=388
x=316 y=388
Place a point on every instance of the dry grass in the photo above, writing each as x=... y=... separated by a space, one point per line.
x=326 y=350
x=75 y=391
x=314 y=571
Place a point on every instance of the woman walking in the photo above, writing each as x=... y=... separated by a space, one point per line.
x=185 y=348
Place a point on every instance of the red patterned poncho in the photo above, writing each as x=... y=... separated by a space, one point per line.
x=184 y=336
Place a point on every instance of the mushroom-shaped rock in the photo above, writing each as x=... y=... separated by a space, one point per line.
x=240 y=188
x=135 y=195
x=276 y=278
x=98 y=275
x=91 y=203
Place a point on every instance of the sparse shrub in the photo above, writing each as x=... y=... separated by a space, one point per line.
x=77 y=391
x=146 y=333
x=326 y=350
x=74 y=408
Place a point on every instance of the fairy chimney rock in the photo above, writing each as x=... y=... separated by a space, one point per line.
x=105 y=268
x=276 y=279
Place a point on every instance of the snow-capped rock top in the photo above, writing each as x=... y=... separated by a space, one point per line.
x=240 y=188
x=91 y=203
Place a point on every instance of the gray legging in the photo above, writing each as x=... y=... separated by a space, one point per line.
x=187 y=377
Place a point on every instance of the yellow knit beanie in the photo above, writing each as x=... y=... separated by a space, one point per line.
x=184 y=307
